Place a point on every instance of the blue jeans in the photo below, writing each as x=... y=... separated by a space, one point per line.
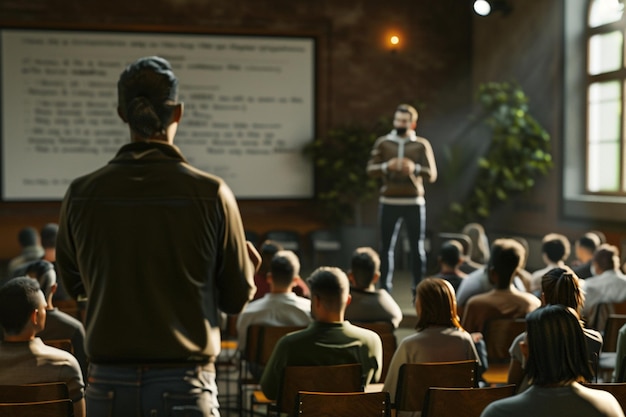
x=391 y=218
x=145 y=391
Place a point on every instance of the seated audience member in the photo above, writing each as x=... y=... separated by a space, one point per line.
x=555 y=249
x=281 y=306
x=48 y=235
x=30 y=243
x=478 y=282
x=267 y=250
x=558 y=286
x=329 y=340
x=439 y=337
x=504 y=301
x=607 y=285
x=557 y=360
x=368 y=303
x=24 y=358
x=620 y=354
x=450 y=259
x=59 y=325
x=480 y=242
x=584 y=248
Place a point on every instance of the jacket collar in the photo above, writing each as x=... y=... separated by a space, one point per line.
x=148 y=150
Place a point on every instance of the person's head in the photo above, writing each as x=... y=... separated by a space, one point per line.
x=22 y=304
x=555 y=247
x=605 y=258
x=148 y=99
x=451 y=253
x=507 y=256
x=268 y=249
x=49 y=235
x=28 y=236
x=44 y=273
x=330 y=293
x=562 y=286
x=556 y=347
x=480 y=242
x=404 y=119
x=364 y=267
x=284 y=267
x=435 y=304
x=586 y=245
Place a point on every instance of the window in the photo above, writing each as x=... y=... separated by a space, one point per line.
x=605 y=171
x=594 y=144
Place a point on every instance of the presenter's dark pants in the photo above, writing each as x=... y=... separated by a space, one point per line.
x=391 y=218
x=145 y=391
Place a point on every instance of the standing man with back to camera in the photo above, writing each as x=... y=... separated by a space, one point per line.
x=404 y=161
x=158 y=248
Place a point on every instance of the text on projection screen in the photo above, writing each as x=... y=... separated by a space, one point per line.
x=248 y=108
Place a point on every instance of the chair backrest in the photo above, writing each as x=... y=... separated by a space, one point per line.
x=63 y=344
x=288 y=239
x=618 y=389
x=317 y=378
x=472 y=401
x=33 y=392
x=499 y=334
x=268 y=337
x=351 y=404
x=414 y=379
x=56 y=408
x=611 y=331
x=388 y=338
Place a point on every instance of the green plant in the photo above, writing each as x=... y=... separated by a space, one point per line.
x=518 y=154
x=342 y=183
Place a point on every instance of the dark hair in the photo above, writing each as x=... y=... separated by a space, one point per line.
x=284 y=266
x=330 y=285
x=556 y=247
x=561 y=286
x=589 y=241
x=147 y=91
x=607 y=257
x=437 y=302
x=557 y=346
x=450 y=253
x=364 y=265
x=506 y=257
x=49 y=235
x=28 y=236
x=407 y=108
x=18 y=299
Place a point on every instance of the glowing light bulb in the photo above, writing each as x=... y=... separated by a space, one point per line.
x=394 y=40
x=482 y=7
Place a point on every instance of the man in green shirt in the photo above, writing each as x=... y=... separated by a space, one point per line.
x=329 y=340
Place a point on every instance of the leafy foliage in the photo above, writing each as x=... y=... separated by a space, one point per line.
x=519 y=153
x=340 y=159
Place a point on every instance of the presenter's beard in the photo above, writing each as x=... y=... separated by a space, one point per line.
x=401 y=131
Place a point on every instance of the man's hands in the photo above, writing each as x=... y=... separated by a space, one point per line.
x=404 y=166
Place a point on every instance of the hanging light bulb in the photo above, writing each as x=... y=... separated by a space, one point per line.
x=482 y=7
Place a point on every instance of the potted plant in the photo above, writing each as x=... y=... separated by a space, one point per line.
x=518 y=154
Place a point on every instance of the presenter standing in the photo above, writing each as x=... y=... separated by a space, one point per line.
x=403 y=160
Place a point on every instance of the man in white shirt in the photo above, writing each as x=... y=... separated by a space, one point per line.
x=281 y=306
x=607 y=285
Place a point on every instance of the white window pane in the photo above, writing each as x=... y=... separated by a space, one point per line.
x=605 y=11
x=605 y=52
x=603 y=174
x=605 y=112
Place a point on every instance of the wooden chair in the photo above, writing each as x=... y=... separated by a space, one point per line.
x=33 y=392
x=387 y=335
x=607 y=360
x=414 y=380
x=318 y=378
x=63 y=344
x=56 y=408
x=499 y=335
x=471 y=400
x=260 y=342
x=618 y=389
x=353 y=404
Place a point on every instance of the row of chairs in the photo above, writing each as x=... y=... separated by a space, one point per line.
x=35 y=400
